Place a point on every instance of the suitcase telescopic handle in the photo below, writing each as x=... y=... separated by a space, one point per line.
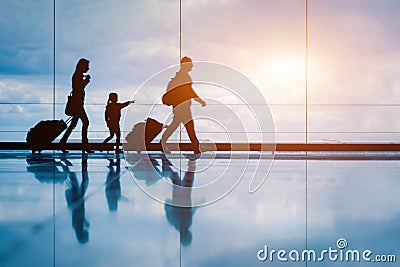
x=68 y=120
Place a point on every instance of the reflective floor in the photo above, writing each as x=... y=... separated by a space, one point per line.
x=94 y=211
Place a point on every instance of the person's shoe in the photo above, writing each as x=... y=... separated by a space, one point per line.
x=192 y=157
x=87 y=149
x=68 y=163
x=196 y=156
x=62 y=144
x=196 y=149
x=164 y=148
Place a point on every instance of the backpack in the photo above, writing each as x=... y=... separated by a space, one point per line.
x=168 y=96
x=174 y=95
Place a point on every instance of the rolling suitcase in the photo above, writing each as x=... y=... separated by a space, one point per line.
x=142 y=134
x=44 y=133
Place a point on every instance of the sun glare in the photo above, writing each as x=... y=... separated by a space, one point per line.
x=286 y=69
x=281 y=77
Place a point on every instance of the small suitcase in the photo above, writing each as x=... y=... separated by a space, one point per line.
x=44 y=133
x=142 y=134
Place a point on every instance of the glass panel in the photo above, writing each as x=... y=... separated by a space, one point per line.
x=355 y=201
x=126 y=42
x=354 y=124
x=60 y=210
x=26 y=65
x=354 y=59
x=263 y=40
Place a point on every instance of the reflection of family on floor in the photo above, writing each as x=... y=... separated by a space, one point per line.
x=178 y=95
x=75 y=196
x=147 y=168
x=179 y=210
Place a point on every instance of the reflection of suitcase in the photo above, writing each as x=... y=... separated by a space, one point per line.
x=48 y=170
x=44 y=133
x=142 y=134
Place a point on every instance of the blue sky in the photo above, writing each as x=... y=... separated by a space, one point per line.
x=353 y=56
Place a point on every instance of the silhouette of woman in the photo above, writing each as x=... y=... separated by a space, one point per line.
x=79 y=82
x=75 y=196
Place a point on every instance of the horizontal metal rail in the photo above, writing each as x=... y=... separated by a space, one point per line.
x=216 y=146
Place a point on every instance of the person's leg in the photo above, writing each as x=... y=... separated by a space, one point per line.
x=85 y=125
x=118 y=134
x=67 y=133
x=192 y=136
x=187 y=120
x=110 y=137
x=168 y=132
x=69 y=130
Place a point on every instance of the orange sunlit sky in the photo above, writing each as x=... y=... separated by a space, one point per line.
x=354 y=58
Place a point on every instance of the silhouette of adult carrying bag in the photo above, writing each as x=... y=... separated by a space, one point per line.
x=44 y=132
x=179 y=95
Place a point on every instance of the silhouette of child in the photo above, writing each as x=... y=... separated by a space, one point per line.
x=112 y=117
